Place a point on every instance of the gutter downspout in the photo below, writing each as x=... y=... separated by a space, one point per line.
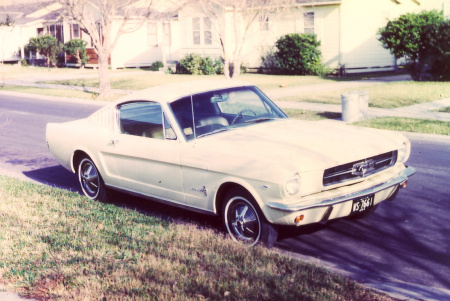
x=340 y=35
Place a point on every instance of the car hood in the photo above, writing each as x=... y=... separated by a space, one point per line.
x=300 y=145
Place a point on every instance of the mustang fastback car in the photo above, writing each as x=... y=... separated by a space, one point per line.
x=223 y=148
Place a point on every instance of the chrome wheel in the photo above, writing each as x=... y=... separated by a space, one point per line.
x=242 y=221
x=89 y=178
x=245 y=221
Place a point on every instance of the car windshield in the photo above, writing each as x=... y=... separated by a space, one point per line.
x=218 y=111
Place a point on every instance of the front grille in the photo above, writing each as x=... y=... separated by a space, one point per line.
x=359 y=169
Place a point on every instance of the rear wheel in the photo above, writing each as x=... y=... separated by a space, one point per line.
x=90 y=180
x=244 y=220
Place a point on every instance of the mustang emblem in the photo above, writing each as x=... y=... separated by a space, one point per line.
x=362 y=168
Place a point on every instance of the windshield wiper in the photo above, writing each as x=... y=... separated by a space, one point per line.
x=213 y=132
x=256 y=120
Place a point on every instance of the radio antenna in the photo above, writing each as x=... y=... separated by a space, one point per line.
x=193 y=116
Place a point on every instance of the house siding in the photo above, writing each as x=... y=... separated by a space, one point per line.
x=360 y=21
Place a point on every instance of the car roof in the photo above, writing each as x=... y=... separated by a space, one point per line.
x=171 y=92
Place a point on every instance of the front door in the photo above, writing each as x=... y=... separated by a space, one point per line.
x=146 y=152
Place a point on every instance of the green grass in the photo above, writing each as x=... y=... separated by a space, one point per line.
x=389 y=95
x=408 y=125
x=444 y=110
x=150 y=79
x=58 y=245
x=386 y=123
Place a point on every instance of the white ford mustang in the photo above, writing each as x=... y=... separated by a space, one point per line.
x=223 y=148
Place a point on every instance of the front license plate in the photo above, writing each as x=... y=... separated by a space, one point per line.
x=362 y=204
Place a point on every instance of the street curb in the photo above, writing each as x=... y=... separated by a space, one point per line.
x=56 y=98
x=383 y=284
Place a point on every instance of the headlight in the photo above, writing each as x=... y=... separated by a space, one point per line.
x=403 y=152
x=292 y=185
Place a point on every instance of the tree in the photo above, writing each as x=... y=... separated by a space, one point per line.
x=47 y=46
x=96 y=17
x=416 y=38
x=440 y=61
x=6 y=29
x=77 y=48
x=242 y=15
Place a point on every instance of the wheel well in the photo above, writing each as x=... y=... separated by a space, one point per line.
x=222 y=192
x=77 y=157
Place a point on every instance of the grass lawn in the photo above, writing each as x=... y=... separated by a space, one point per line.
x=149 y=79
x=56 y=244
x=389 y=95
x=408 y=125
x=386 y=123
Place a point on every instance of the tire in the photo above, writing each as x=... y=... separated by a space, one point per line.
x=245 y=222
x=90 y=181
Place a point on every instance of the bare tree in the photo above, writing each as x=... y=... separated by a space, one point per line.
x=97 y=17
x=6 y=29
x=243 y=14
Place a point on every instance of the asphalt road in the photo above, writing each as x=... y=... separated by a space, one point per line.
x=404 y=241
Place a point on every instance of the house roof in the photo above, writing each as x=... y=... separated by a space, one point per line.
x=25 y=12
x=318 y=2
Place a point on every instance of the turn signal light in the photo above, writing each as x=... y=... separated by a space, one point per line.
x=403 y=185
x=299 y=218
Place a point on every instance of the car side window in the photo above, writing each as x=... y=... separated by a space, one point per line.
x=145 y=119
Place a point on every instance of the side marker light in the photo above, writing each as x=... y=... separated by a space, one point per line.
x=299 y=218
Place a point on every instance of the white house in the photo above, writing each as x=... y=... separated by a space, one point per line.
x=347 y=30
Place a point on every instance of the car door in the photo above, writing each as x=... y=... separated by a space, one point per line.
x=146 y=152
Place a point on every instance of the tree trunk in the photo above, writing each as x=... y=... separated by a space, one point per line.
x=105 y=85
x=236 y=68
x=226 y=68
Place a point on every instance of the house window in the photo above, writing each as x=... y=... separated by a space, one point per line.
x=308 y=22
x=52 y=30
x=263 y=23
x=207 y=31
x=40 y=31
x=167 y=34
x=196 y=30
x=76 y=31
x=56 y=30
x=145 y=119
x=201 y=31
x=152 y=34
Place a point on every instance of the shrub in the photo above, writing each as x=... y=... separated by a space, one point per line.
x=422 y=39
x=299 y=54
x=77 y=48
x=47 y=46
x=198 y=65
x=440 y=60
x=156 y=65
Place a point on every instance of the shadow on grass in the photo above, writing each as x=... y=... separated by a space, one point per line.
x=59 y=177
x=330 y=115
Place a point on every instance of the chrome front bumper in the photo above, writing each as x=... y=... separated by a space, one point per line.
x=293 y=207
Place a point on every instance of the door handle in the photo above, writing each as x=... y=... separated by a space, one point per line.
x=114 y=141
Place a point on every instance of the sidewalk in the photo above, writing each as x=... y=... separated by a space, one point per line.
x=420 y=111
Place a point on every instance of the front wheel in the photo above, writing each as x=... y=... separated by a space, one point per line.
x=90 y=180
x=245 y=222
